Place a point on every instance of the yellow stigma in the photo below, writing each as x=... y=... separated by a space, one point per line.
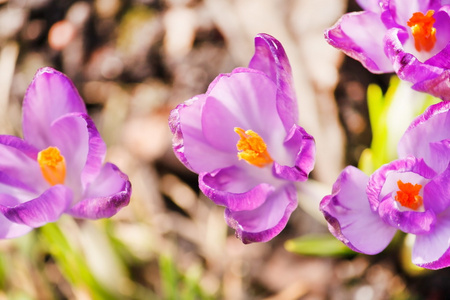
x=252 y=148
x=53 y=165
x=423 y=31
x=408 y=195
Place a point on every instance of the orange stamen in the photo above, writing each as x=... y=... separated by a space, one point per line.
x=252 y=148
x=53 y=165
x=408 y=195
x=422 y=30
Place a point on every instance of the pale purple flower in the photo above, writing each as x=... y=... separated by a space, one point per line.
x=58 y=166
x=213 y=133
x=409 y=37
x=411 y=194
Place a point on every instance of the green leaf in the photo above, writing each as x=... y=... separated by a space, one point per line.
x=71 y=262
x=176 y=284
x=318 y=245
x=378 y=106
x=169 y=277
x=390 y=115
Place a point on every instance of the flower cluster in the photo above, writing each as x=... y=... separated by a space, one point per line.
x=410 y=37
x=58 y=166
x=241 y=137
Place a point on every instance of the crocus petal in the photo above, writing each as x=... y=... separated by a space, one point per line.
x=9 y=230
x=406 y=65
x=46 y=208
x=247 y=99
x=105 y=196
x=271 y=59
x=440 y=60
x=403 y=12
x=235 y=188
x=437 y=191
x=360 y=36
x=16 y=163
x=429 y=127
x=432 y=250
x=441 y=49
x=436 y=85
x=50 y=95
x=80 y=143
x=189 y=143
x=16 y=188
x=414 y=222
x=425 y=77
x=20 y=144
x=440 y=155
x=300 y=145
x=350 y=218
x=371 y=5
x=266 y=221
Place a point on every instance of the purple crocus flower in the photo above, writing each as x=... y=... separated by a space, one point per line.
x=411 y=194
x=241 y=137
x=57 y=167
x=410 y=37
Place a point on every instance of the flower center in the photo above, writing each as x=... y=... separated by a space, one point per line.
x=423 y=31
x=408 y=195
x=53 y=165
x=252 y=148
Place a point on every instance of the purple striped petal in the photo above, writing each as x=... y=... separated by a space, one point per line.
x=360 y=36
x=266 y=221
x=49 y=96
x=9 y=229
x=371 y=5
x=406 y=65
x=415 y=222
x=441 y=51
x=235 y=188
x=271 y=59
x=18 y=166
x=436 y=84
x=428 y=128
x=46 y=208
x=16 y=188
x=189 y=143
x=105 y=196
x=403 y=11
x=440 y=155
x=436 y=192
x=20 y=144
x=432 y=250
x=82 y=146
x=299 y=145
x=425 y=77
x=244 y=98
x=350 y=218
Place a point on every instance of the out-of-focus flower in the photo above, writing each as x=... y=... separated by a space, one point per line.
x=57 y=167
x=241 y=137
x=410 y=37
x=411 y=194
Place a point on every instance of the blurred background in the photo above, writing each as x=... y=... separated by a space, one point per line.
x=132 y=62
